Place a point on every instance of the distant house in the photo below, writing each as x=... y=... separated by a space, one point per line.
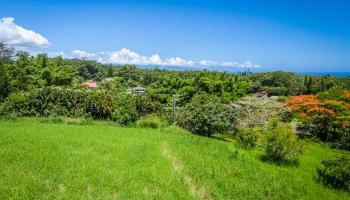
x=90 y=84
x=261 y=94
x=138 y=90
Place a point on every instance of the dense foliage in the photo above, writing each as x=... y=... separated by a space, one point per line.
x=60 y=101
x=205 y=101
x=248 y=137
x=254 y=111
x=287 y=83
x=327 y=116
x=335 y=172
x=151 y=121
x=282 y=143
x=205 y=115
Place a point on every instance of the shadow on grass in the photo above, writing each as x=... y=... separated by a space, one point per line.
x=284 y=163
x=9 y=117
x=218 y=138
x=221 y=137
x=66 y=120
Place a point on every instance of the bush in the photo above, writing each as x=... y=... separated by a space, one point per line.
x=60 y=101
x=345 y=140
x=335 y=172
x=125 y=110
x=248 y=137
x=206 y=115
x=282 y=143
x=277 y=91
x=100 y=103
x=9 y=116
x=16 y=103
x=2 y=109
x=286 y=116
x=145 y=105
x=150 y=121
x=282 y=99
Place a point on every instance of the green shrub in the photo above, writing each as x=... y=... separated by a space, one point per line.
x=150 y=121
x=2 y=109
x=16 y=103
x=125 y=110
x=100 y=103
x=276 y=91
x=9 y=116
x=206 y=115
x=282 y=143
x=248 y=137
x=282 y=99
x=145 y=105
x=286 y=116
x=335 y=172
x=345 y=139
x=60 y=101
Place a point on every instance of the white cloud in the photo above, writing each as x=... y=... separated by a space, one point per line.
x=21 y=38
x=83 y=54
x=52 y=54
x=126 y=56
x=12 y=34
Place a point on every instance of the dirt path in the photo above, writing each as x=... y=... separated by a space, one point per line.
x=197 y=190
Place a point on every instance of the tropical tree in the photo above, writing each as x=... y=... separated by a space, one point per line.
x=6 y=54
x=206 y=115
x=325 y=116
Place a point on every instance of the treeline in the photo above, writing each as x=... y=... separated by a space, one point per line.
x=43 y=86
x=288 y=83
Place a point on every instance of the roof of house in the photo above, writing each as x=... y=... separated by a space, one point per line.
x=90 y=84
x=138 y=88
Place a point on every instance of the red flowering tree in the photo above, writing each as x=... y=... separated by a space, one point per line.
x=325 y=116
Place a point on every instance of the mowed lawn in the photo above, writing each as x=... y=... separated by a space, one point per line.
x=103 y=161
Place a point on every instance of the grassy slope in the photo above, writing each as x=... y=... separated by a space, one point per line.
x=49 y=161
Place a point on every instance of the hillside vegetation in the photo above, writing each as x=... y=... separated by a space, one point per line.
x=98 y=160
x=256 y=131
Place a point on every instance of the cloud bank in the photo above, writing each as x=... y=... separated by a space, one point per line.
x=17 y=36
x=126 y=56
x=14 y=35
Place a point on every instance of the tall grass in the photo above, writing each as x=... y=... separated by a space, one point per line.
x=103 y=161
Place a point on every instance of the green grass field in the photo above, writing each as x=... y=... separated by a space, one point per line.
x=102 y=161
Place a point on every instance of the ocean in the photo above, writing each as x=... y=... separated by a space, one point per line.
x=338 y=74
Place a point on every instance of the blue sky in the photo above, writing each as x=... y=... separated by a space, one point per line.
x=276 y=35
